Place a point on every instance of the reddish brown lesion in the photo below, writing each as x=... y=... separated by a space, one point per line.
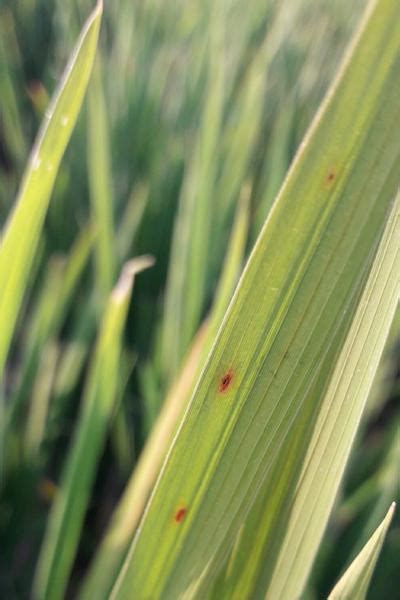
x=180 y=514
x=225 y=381
x=330 y=177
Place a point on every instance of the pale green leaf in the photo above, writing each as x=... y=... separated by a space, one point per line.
x=353 y=585
x=283 y=532
x=100 y=182
x=261 y=391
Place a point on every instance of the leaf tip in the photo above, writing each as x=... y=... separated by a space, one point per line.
x=130 y=269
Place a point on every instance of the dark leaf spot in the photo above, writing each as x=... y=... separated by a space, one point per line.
x=225 y=381
x=180 y=514
x=331 y=176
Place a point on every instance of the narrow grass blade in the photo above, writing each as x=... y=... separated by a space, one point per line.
x=353 y=585
x=100 y=183
x=386 y=373
x=277 y=162
x=11 y=116
x=241 y=131
x=67 y=514
x=232 y=266
x=131 y=220
x=122 y=439
x=286 y=326
x=115 y=544
x=20 y=237
x=189 y=267
x=40 y=400
x=368 y=503
x=49 y=314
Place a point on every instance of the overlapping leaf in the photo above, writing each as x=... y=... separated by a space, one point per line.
x=353 y=585
x=275 y=354
x=68 y=511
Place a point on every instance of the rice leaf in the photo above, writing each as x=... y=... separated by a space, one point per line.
x=22 y=231
x=273 y=359
x=68 y=511
x=126 y=517
x=353 y=585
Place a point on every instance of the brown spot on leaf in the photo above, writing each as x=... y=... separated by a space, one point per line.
x=330 y=177
x=225 y=381
x=180 y=514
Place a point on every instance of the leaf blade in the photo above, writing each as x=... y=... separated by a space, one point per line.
x=21 y=234
x=289 y=318
x=68 y=511
x=353 y=585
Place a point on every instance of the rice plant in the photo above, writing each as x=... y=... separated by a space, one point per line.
x=199 y=285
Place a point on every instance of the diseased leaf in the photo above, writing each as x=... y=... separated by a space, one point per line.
x=278 y=543
x=261 y=393
x=115 y=545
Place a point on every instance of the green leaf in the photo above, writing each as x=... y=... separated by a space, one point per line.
x=189 y=264
x=261 y=392
x=11 y=116
x=275 y=553
x=63 y=532
x=353 y=585
x=48 y=315
x=22 y=232
x=100 y=182
x=115 y=545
